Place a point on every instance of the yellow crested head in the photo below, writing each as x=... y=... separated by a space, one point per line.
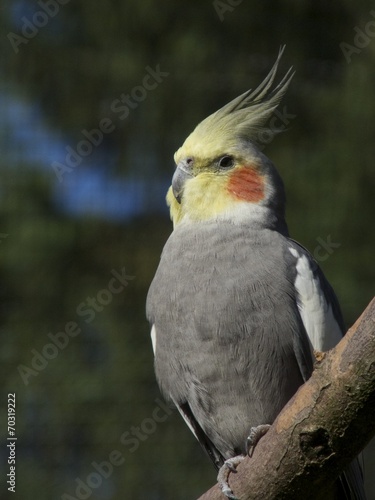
x=219 y=147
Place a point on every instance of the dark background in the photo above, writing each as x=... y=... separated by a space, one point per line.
x=61 y=239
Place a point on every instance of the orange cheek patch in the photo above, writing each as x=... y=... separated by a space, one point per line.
x=246 y=184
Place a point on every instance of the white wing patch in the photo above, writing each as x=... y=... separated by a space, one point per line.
x=153 y=340
x=316 y=313
x=186 y=419
x=153 y=337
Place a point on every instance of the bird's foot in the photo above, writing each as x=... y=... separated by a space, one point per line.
x=253 y=438
x=229 y=466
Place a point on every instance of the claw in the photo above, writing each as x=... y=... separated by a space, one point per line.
x=253 y=438
x=229 y=493
x=229 y=466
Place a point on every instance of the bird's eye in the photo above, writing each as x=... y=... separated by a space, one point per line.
x=226 y=161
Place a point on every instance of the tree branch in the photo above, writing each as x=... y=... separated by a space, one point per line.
x=321 y=430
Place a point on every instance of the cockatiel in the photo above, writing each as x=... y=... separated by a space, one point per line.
x=236 y=306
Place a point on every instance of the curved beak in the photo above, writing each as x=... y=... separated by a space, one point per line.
x=184 y=171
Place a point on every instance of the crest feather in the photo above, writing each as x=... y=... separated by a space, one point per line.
x=242 y=118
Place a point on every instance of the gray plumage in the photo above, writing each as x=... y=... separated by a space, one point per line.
x=236 y=306
x=231 y=317
x=231 y=348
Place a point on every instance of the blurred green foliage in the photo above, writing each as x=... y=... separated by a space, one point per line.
x=101 y=385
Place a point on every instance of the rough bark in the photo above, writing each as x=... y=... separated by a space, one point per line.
x=323 y=427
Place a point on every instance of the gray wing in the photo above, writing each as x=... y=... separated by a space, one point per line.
x=321 y=316
x=204 y=441
x=186 y=413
